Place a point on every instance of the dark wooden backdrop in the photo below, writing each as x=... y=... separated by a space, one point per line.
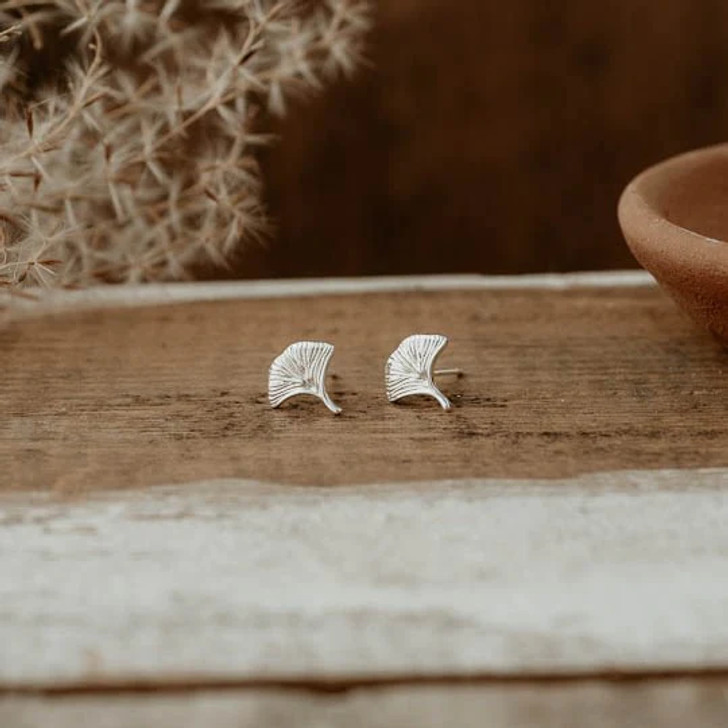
x=492 y=136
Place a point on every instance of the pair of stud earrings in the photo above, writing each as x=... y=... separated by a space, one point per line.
x=301 y=369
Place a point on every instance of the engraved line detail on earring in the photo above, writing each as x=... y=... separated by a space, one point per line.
x=301 y=369
x=409 y=369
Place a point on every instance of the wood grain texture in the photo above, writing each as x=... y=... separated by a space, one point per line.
x=558 y=382
x=492 y=138
x=230 y=583
x=667 y=705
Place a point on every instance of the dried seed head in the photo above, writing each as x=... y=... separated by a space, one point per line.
x=131 y=156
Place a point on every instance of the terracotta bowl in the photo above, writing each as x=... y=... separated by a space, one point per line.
x=675 y=219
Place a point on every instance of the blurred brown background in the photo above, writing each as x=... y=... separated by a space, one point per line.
x=492 y=137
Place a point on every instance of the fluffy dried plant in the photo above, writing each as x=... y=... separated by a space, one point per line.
x=129 y=128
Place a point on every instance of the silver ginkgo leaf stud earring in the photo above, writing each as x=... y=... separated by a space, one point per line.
x=410 y=368
x=301 y=369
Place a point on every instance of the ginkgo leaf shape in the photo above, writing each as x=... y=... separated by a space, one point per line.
x=301 y=369
x=409 y=370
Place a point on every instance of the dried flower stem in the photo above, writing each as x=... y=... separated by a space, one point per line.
x=132 y=157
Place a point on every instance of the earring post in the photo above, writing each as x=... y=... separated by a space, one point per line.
x=449 y=372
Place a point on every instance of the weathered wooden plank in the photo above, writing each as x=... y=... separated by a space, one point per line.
x=560 y=380
x=671 y=704
x=42 y=301
x=624 y=572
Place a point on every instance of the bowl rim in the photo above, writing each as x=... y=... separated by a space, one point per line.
x=646 y=228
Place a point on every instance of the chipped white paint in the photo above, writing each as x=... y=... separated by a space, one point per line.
x=168 y=293
x=236 y=580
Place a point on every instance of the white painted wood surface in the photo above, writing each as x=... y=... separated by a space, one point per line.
x=53 y=301
x=237 y=580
